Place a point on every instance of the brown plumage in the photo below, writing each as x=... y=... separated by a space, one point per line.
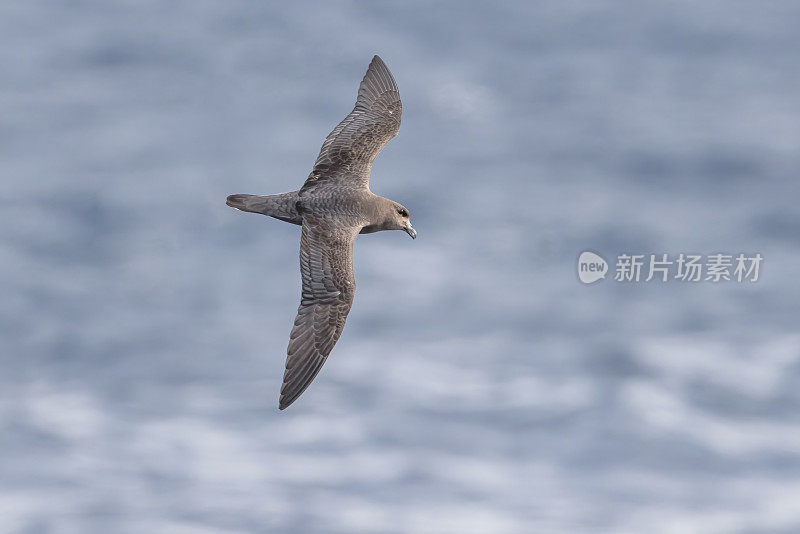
x=333 y=207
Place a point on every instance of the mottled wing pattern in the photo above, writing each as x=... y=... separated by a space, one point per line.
x=326 y=266
x=347 y=154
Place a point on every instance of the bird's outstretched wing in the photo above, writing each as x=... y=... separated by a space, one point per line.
x=347 y=154
x=326 y=266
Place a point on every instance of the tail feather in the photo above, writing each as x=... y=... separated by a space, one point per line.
x=281 y=206
x=245 y=202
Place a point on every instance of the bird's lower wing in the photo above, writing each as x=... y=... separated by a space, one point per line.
x=326 y=266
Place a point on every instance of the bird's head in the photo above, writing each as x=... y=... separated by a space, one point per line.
x=389 y=215
x=401 y=220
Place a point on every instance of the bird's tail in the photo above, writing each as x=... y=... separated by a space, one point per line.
x=281 y=206
x=251 y=203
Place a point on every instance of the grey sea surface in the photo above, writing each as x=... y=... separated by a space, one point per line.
x=479 y=387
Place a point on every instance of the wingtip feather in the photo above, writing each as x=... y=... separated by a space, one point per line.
x=286 y=401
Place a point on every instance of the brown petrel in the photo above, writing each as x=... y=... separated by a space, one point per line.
x=334 y=205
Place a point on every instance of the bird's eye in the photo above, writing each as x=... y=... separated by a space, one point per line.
x=402 y=212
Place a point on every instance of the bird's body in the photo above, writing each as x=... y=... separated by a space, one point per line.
x=333 y=207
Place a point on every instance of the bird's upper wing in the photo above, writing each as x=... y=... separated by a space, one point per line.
x=347 y=154
x=326 y=266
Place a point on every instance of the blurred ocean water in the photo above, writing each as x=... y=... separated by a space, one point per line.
x=478 y=386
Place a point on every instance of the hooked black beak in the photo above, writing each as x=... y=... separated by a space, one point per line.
x=410 y=231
